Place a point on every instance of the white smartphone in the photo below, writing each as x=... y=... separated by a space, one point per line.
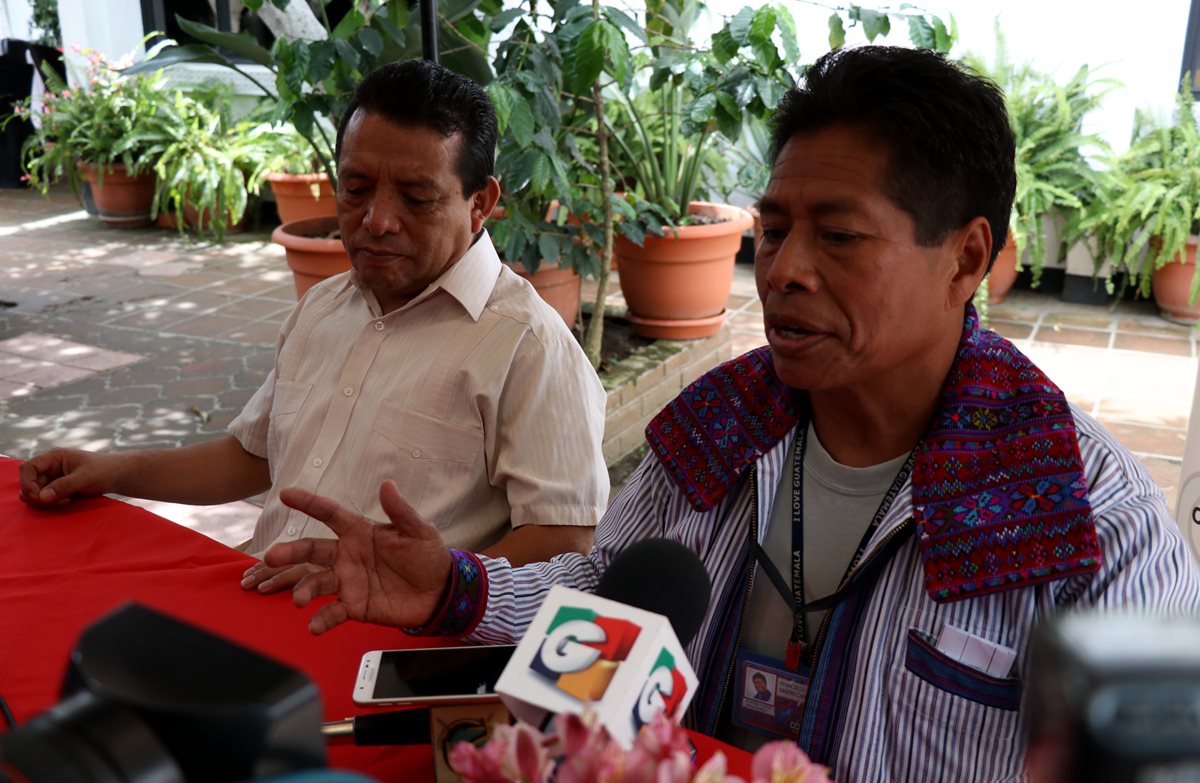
x=436 y=675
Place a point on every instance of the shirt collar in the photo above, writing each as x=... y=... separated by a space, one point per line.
x=469 y=280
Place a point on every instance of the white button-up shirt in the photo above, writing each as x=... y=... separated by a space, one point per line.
x=473 y=397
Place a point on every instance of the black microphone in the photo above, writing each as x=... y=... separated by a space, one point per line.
x=399 y=727
x=660 y=576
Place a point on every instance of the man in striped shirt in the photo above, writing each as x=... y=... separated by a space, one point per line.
x=889 y=498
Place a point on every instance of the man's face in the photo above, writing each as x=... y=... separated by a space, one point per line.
x=848 y=295
x=400 y=204
x=760 y=683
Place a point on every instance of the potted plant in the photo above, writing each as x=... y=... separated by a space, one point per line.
x=1054 y=177
x=208 y=167
x=1148 y=215
x=103 y=132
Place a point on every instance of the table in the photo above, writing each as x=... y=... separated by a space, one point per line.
x=64 y=568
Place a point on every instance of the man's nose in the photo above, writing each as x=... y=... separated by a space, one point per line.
x=383 y=214
x=793 y=267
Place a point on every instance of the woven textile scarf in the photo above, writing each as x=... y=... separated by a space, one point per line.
x=998 y=491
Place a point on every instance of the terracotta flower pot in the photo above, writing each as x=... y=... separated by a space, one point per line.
x=312 y=256
x=677 y=285
x=302 y=196
x=122 y=201
x=1004 y=272
x=558 y=288
x=1172 y=286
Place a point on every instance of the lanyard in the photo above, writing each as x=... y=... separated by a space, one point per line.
x=793 y=595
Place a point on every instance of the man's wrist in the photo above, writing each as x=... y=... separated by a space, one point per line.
x=463 y=601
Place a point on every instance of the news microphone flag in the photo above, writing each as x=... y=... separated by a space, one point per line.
x=581 y=648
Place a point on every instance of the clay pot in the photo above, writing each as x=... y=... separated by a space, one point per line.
x=302 y=196
x=122 y=201
x=1172 y=286
x=1004 y=272
x=677 y=285
x=311 y=257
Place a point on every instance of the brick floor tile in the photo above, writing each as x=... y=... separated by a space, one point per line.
x=252 y=308
x=207 y=325
x=192 y=386
x=200 y=302
x=1153 y=344
x=120 y=395
x=258 y=283
x=51 y=404
x=169 y=269
x=51 y=376
x=144 y=374
x=1072 y=336
x=747 y=322
x=1147 y=439
x=1155 y=325
x=12 y=364
x=158 y=318
x=1089 y=319
x=744 y=341
x=260 y=332
x=1013 y=330
x=9 y=390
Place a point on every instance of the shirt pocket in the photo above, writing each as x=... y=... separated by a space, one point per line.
x=432 y=461
x=286 y=402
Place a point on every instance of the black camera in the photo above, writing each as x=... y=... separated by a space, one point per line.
x=1115 y=698
x=150 y=699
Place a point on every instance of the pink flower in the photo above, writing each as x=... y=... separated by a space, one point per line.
x=662 y=737
x=784 y=762
x=713 y=771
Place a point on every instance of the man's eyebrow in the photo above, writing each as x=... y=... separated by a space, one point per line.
x=844 y=206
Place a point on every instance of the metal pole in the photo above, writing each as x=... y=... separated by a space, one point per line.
x=429 y=30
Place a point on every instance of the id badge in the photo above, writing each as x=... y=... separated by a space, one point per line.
x=768 y=698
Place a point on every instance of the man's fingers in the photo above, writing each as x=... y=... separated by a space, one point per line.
x=320 y=508
x=330 y=616
x=403 y=517
x=286 y=578
x=318 y=551
x=314 y=585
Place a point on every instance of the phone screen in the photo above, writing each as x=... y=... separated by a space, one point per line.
x=417 y=674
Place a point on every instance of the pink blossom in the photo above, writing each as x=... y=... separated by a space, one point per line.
x=713 y=771
x=662 y=737
x=784 y=762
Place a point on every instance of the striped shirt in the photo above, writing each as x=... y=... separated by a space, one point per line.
x=460 y=396
x=889 y=724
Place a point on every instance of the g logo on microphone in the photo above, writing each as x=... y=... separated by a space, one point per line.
x=582 y=651
x=664 y=691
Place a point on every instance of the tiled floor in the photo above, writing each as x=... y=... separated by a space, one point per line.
x=120 y=339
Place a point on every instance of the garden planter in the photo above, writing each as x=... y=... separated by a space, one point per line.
x=311 y=254
x=1172 y=286
x=1004 y=272
x=192 y=219
x=558 y=288
x=677 y=285
x=122 y=201
x=302 y=196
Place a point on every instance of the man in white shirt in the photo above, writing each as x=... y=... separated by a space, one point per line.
x=430 y=364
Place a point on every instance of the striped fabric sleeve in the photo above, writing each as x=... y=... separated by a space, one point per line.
x=515 y=594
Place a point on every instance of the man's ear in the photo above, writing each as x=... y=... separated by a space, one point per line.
x=972 y=250
x=482 y=204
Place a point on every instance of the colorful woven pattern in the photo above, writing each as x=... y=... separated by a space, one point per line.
x=711 y=434
x=998 y=491
x=999 y=494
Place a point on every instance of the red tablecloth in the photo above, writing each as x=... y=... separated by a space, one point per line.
x=62 y=569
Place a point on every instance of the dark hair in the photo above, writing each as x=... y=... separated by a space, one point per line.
x=950 y=147
x=428 y=95
x=758 y=676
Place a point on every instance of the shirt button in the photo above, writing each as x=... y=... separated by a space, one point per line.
x=417 y=453
x=317 y=462
x=291 y=531
x=379 y=326
x=348 y=391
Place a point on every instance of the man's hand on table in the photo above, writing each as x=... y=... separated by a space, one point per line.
x=51 y=479
x=390 y=574
x=267 y=580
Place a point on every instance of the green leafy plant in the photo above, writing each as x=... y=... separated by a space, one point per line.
x=313 y=80
x=1055 y=179
x=1150 y=198
x=112 y=118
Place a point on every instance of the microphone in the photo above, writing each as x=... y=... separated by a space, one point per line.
x=620 y=649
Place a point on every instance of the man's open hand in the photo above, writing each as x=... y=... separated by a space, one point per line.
x=390 y=574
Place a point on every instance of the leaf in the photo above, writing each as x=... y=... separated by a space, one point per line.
x=875 y=23
x=617 y=51
x=348 y=53
x=504 y=19
x=191 y=53
x=762 y=26
x=624 y=20
x=943 y=39
x=585 y=61
x=837 y=32
x=370 y=40
x=724 y=48
x=549 y=247
x=502 y=99
x=350 y=24
x=739 y=25
x=520 y=123
x=787 y=29
x=242 y=44
x=729 y=115
x=920 y=32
